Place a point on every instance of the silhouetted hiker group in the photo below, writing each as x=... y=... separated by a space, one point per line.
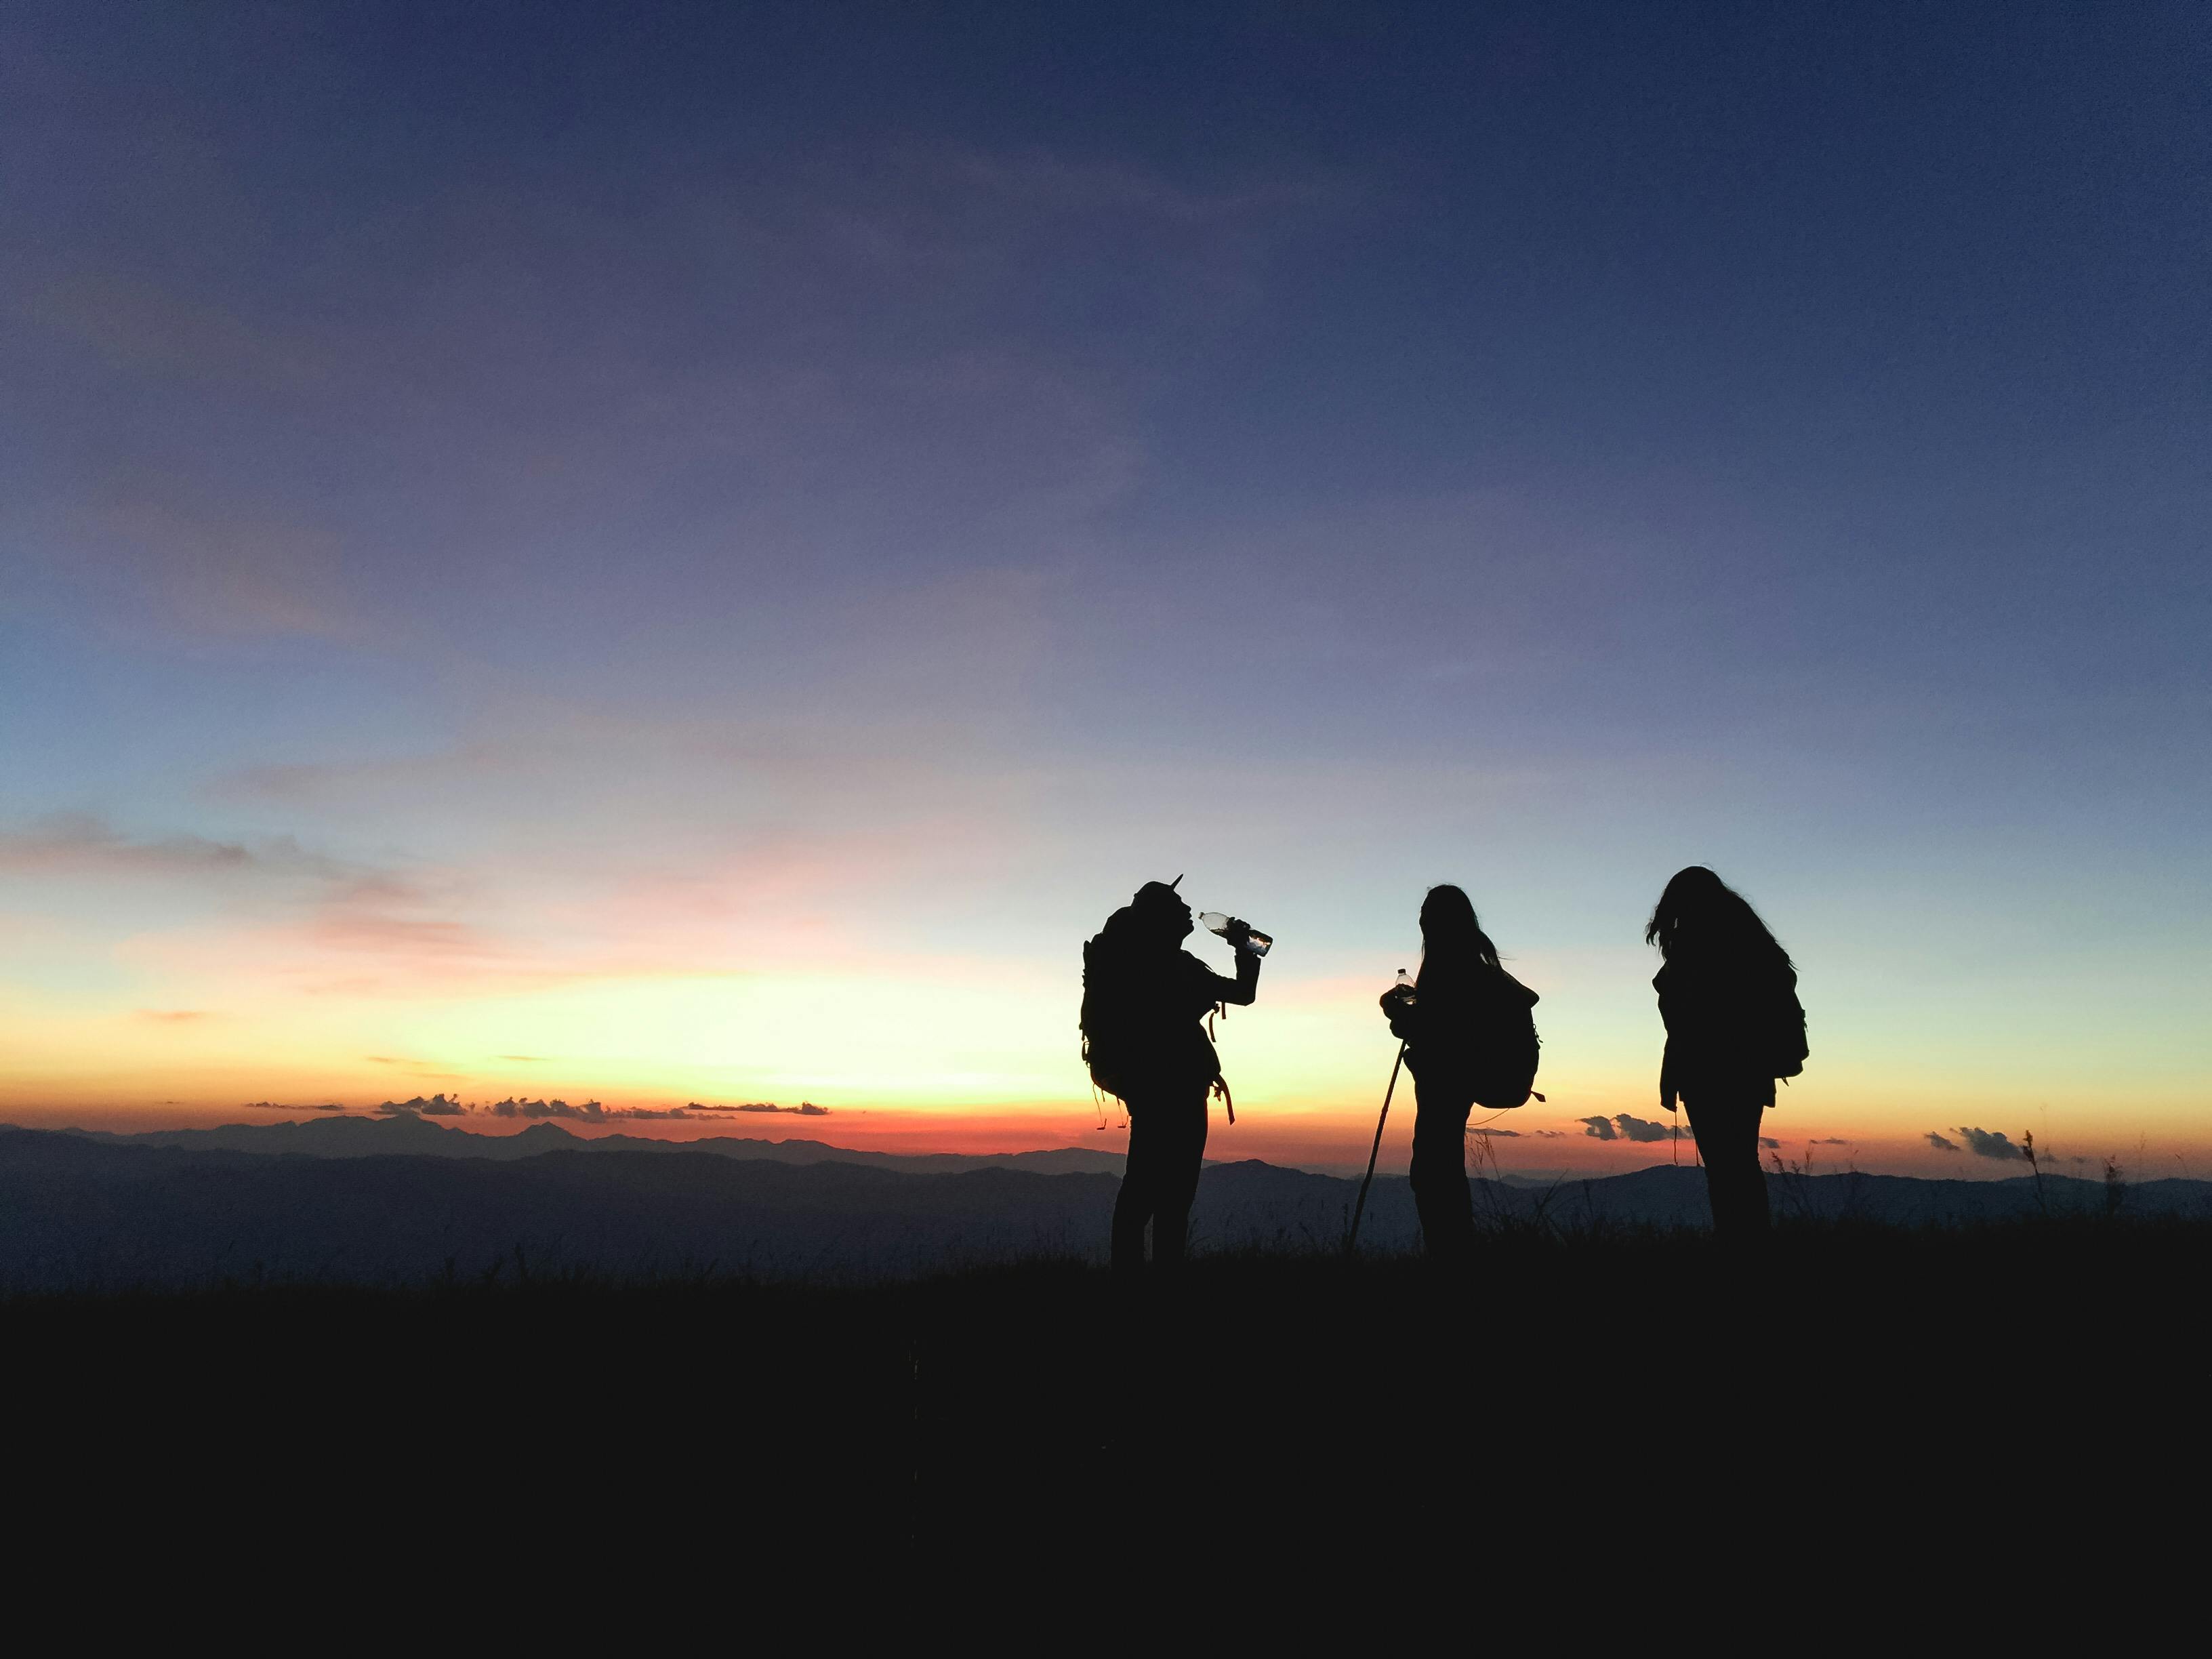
x=1728 y=996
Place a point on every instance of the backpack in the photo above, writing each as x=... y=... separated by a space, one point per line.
x=1121 y=1045
x=1513 y=1050
x=1105 y=1019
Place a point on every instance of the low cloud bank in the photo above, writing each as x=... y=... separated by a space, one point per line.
x=1984 y=1143
x=590 y=1110
x=436 y=1106
x=1623 y=1127
x=584 y=1111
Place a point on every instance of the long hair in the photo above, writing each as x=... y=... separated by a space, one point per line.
x=1700 y=916
x=1452 y=940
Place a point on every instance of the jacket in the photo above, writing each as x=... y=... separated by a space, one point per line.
x=1733 y=1027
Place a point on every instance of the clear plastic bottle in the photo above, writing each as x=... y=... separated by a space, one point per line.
x=1405 y=988
x=1215 y=922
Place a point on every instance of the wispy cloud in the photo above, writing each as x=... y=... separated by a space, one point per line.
x=593 y=1111
x=583 y=1111
x=1942 y=1143
x=80 y=844
x=217 y=568
x=415 y=1068
x=143 y=326
x=328 y=919
x=174 y=1016
x=372 y=928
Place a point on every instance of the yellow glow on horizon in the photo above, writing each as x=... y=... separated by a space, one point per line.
x=952 y=1054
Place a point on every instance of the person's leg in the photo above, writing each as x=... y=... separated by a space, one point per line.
x=1134 y=1204
x=1183 y=1154
x=1439 y=1181
x=1728 y=1142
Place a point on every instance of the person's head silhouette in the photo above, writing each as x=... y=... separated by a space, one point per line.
x=1160 y=912
x=1700 y=916
x=1450 y=933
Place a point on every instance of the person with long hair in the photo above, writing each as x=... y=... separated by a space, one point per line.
x=1727 y=995
x=1470 y=1040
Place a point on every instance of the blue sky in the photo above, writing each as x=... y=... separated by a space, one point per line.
x=665 y=496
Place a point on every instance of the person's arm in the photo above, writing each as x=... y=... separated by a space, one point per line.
x=1238 y=993
x=1247 y=980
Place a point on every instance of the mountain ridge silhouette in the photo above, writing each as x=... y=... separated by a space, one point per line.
x=407 y=1133
x=83 y=1210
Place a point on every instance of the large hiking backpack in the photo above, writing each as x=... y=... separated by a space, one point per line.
x=1105 y=1019
x=1511 y=1050
x=1123 y=1044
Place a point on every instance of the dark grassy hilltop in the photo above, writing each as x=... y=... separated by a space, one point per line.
x=403 y=1203
x=1014 y=1405
x=975 y=1394
x=80 y=1213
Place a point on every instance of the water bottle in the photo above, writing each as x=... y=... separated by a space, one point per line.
x=1254 y=941
x=1405 y=988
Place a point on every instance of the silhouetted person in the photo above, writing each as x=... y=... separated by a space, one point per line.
x=1728 y=996
x=1144 y=997
x=1470 y=1041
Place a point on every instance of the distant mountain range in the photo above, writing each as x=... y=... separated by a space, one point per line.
x=400 y=1201
x=404 y=1134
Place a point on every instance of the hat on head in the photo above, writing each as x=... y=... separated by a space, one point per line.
x=1157 y=892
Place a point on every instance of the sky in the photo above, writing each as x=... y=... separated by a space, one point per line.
x=659 y=554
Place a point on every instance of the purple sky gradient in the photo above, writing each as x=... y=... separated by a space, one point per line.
x=588 y=494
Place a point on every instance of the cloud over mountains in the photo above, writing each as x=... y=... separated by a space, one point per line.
x=588 y=1111
x=1623 y=1125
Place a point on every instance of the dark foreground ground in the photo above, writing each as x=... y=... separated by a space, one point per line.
x=1635 y=1395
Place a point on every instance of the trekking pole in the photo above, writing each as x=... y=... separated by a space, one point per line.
x=1352 y=1238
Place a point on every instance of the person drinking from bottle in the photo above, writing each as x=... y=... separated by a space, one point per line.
x=1470 y=1041
x=1144 y=998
